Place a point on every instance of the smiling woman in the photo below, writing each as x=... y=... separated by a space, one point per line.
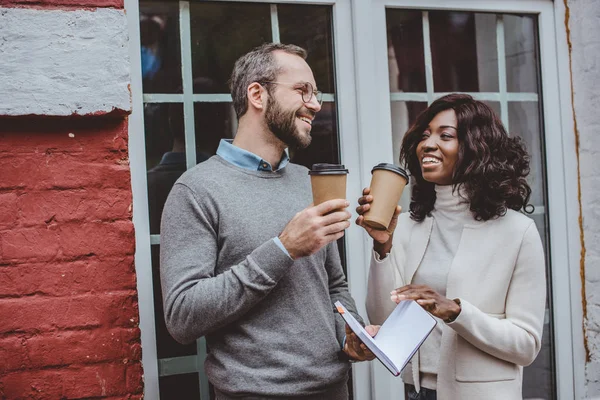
x=464 y=253
x=478 y=155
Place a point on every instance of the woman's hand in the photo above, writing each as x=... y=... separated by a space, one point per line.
x=436 y=304
x=379 y=236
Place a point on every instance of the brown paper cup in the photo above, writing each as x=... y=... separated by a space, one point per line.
x=328 y=182
x=387 y=184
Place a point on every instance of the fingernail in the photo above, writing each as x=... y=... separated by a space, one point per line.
x=392 y=292
x=401 y=297
x=394 y=297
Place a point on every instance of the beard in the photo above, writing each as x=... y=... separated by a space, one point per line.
x=283 y=125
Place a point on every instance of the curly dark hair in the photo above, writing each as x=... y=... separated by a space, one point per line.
x=491 y=169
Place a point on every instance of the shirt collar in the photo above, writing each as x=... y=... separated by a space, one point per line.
x=245 y=159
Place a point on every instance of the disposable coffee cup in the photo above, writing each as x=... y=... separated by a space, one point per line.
x=387 y=183
x=328 y=182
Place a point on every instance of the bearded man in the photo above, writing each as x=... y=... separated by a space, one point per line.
x=247 y=261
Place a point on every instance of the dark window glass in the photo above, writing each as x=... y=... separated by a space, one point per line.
x=406 y=57
x=165 y=155
x=160 y=47
x=463 y=51
x=221 y=33
x=166 y=346
x=178 y=387
x=310 y=27
x=213 y=122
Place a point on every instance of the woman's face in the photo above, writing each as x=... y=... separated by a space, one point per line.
x=438 y=150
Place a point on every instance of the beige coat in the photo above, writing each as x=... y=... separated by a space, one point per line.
x=498 y=272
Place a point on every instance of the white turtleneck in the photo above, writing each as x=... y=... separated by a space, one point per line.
x=450 y=214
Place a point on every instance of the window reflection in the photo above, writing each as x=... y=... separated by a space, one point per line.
x=521 y=53
x=405 y=49
x=160 y=47
x=462 y=43
x=310 y=28
x=221 y=33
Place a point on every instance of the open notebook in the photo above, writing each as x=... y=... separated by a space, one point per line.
x=399 y=337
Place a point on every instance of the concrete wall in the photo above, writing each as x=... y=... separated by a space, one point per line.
x=585 y=63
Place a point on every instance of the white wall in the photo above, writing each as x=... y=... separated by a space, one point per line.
x=585 y=58
x=63 y=62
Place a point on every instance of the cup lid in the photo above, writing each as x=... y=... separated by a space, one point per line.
x=392 y=168
x=328 y=169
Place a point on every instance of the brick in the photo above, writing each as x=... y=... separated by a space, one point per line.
x=134 y=378
x=72 y=382
x=13 y=354
x=8 y=210
x=104 y=136
x=62 y=171
x=43 y=314
x=29 y=243
x=39 y=207
x=68 y=240
x=102 y=239
x=67 y=278
x=83 y=347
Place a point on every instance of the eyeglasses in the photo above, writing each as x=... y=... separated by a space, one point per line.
x=306 y=89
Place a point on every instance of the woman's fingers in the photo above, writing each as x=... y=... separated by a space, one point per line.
x=365 y=199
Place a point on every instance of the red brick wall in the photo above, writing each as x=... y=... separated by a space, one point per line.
x=68 y=302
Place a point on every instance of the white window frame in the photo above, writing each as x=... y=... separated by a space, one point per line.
x=560 y=152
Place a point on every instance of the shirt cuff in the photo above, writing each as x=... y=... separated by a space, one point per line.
x=377 y=258
x=282 y=247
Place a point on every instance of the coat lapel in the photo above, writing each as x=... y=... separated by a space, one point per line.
x=417 y=246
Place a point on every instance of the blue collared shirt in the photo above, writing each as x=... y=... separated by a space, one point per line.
x=244 y=159
x=250 y=161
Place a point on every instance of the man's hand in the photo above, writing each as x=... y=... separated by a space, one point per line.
x=354 y=348
x=315 y=227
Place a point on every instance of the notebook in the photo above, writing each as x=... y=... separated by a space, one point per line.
x=399 y=337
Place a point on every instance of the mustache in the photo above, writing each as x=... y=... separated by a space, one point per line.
x=306 y=111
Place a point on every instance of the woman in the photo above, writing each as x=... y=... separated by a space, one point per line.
x=464 y=253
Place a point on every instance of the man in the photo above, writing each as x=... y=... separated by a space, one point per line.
x=245 y=262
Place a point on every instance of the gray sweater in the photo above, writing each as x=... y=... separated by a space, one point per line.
x=269 y=321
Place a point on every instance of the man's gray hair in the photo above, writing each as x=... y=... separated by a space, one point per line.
x=258 y=65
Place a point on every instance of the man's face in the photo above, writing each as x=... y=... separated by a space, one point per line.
x=286 y=114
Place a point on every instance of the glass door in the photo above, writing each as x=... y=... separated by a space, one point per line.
x=495 y=58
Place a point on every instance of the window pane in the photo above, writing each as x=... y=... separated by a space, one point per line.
x=160 y=47
x=406 y=57
x=165 y=155
x=494 y=105
x=523 y=119
x=324 y=145
x=537 y=377
x=221 y=33
x=310 y=27
x=213 y=122
x=404 y=114
x=521 y=53
x=463 y=51
x=166 y=346
x=177 y=387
